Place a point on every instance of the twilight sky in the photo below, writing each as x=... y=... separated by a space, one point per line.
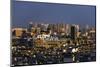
x=24 y=12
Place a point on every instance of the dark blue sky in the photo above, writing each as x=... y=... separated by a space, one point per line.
x=24 y=12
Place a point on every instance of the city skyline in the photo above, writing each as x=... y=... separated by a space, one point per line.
x=51 y=33
x=24 y=12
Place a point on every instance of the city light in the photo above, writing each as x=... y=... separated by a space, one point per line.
x=49 y=46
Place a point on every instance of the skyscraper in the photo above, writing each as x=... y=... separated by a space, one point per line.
x=30 y=27
x=74 y=31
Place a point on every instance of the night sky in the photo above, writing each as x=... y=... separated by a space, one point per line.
x=24 y=12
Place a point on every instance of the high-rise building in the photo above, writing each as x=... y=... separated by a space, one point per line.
x=51 y=28
x=44 y=27
x=67 y=29
x=77 y=30
x=74 y=31
x=30 y=27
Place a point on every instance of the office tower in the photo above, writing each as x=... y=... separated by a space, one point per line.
x=77 y=30
x=43 y=27
x=51 y=28
x=30 y=27
x=67 y=29
x=62 y=27
x=38 y=30
x=73 y=32
x=92 y=33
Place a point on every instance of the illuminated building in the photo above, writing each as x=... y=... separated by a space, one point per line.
x=18 y=31
x=67 y=30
